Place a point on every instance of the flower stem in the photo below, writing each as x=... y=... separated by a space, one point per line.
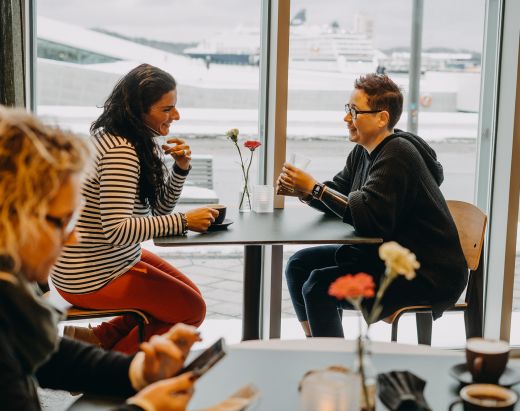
x=374 y=313
x=245 y=176
x=361 y=353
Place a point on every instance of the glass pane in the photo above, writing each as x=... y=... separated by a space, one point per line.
x=212 y=50
x=333 y=43
x=515 y=315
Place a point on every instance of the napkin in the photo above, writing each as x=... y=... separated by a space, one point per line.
x=246 y=398
x=402 y=391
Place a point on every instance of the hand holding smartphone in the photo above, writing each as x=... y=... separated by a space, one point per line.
x=207 y=359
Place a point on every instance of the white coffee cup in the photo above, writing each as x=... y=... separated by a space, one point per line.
x=486 y=397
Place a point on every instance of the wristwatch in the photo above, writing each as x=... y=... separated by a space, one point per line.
x=317 y=191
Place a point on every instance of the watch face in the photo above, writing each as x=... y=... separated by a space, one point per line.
x=316 y=190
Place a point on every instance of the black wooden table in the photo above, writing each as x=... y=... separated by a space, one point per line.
x=298 y=225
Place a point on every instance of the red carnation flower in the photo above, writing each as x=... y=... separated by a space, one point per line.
x=252 y=144
x=353 y=286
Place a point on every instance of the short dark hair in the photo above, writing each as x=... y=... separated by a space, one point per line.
x=383 y=94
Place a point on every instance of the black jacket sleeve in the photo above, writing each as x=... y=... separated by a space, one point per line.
x=390 y=189
x=76 y=366
x=342 y=183
x=17 y=390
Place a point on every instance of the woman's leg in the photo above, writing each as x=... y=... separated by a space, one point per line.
x=153 y=286
x=297 y=272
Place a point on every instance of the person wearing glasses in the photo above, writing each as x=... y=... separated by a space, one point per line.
x=41 y=169
x=389 y=188
x=130 y=197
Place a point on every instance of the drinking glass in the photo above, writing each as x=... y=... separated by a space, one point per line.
x=263 y=199
x=328 y=390
x=299 y=161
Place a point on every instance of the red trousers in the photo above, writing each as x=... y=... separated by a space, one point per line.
x=153 y=286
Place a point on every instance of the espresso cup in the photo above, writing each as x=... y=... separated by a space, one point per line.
x=486 y=360
x=486 y=397
x=221 y=208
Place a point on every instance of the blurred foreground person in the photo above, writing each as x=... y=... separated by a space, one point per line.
x=40 y=177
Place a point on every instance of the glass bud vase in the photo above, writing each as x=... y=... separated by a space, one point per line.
x=244 y=198
x=364 y=365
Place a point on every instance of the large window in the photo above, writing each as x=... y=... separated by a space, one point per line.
x=333 y=43
x=212 y=49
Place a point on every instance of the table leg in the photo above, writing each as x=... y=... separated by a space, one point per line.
x=252 y=292
x=275 y=291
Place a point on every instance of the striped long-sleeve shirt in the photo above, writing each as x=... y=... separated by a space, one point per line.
x=113 y=221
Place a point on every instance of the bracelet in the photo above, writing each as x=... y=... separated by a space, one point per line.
x=184 y=221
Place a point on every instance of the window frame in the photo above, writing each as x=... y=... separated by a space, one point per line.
x=498 y=150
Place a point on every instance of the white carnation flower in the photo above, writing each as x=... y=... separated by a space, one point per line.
x=398 y=260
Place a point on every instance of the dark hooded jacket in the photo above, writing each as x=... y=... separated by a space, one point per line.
x=394 y=194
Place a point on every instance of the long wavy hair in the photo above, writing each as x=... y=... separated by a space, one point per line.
x=35 y=160
x=122 y=116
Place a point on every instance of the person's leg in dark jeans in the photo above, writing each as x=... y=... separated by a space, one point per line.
x=298 y=271
x=322 y=309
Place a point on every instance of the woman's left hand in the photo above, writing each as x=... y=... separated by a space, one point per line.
x=180 y=152
x=296 y=179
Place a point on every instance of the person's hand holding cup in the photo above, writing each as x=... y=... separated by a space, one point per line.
x=199 y=219
x=221 y=209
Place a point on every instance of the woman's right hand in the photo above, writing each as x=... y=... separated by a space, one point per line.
x=200 y=219
x=172 y=394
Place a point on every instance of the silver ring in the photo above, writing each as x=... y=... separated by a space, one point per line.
x=184 y=152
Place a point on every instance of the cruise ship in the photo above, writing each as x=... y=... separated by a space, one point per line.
x=316 y=48
x=78 y=67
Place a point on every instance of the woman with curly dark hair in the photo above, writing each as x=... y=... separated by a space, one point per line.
x=129 y=198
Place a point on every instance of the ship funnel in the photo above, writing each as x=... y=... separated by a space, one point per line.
x=299 y=18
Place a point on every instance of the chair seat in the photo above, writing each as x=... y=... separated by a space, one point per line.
x=420 y=309
x=76 y=312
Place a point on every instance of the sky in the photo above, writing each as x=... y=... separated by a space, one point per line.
x=447 y=23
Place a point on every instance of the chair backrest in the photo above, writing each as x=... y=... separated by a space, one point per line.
x=201 y=174
x=471 y=226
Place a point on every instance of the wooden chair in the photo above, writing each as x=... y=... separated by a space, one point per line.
x=471 y=226
x=76 y=313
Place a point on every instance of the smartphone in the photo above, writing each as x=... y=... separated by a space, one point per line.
x=207 y=359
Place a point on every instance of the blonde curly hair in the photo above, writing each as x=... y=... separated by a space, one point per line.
x=35 y=160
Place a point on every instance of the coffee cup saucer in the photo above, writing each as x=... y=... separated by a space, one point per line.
x=460 y=372
x=222 y=226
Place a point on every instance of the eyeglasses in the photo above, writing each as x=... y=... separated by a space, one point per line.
x=64 y=224
x=67 y=223
x=349 y=109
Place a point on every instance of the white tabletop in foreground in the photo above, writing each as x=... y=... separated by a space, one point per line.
x=276 y=367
